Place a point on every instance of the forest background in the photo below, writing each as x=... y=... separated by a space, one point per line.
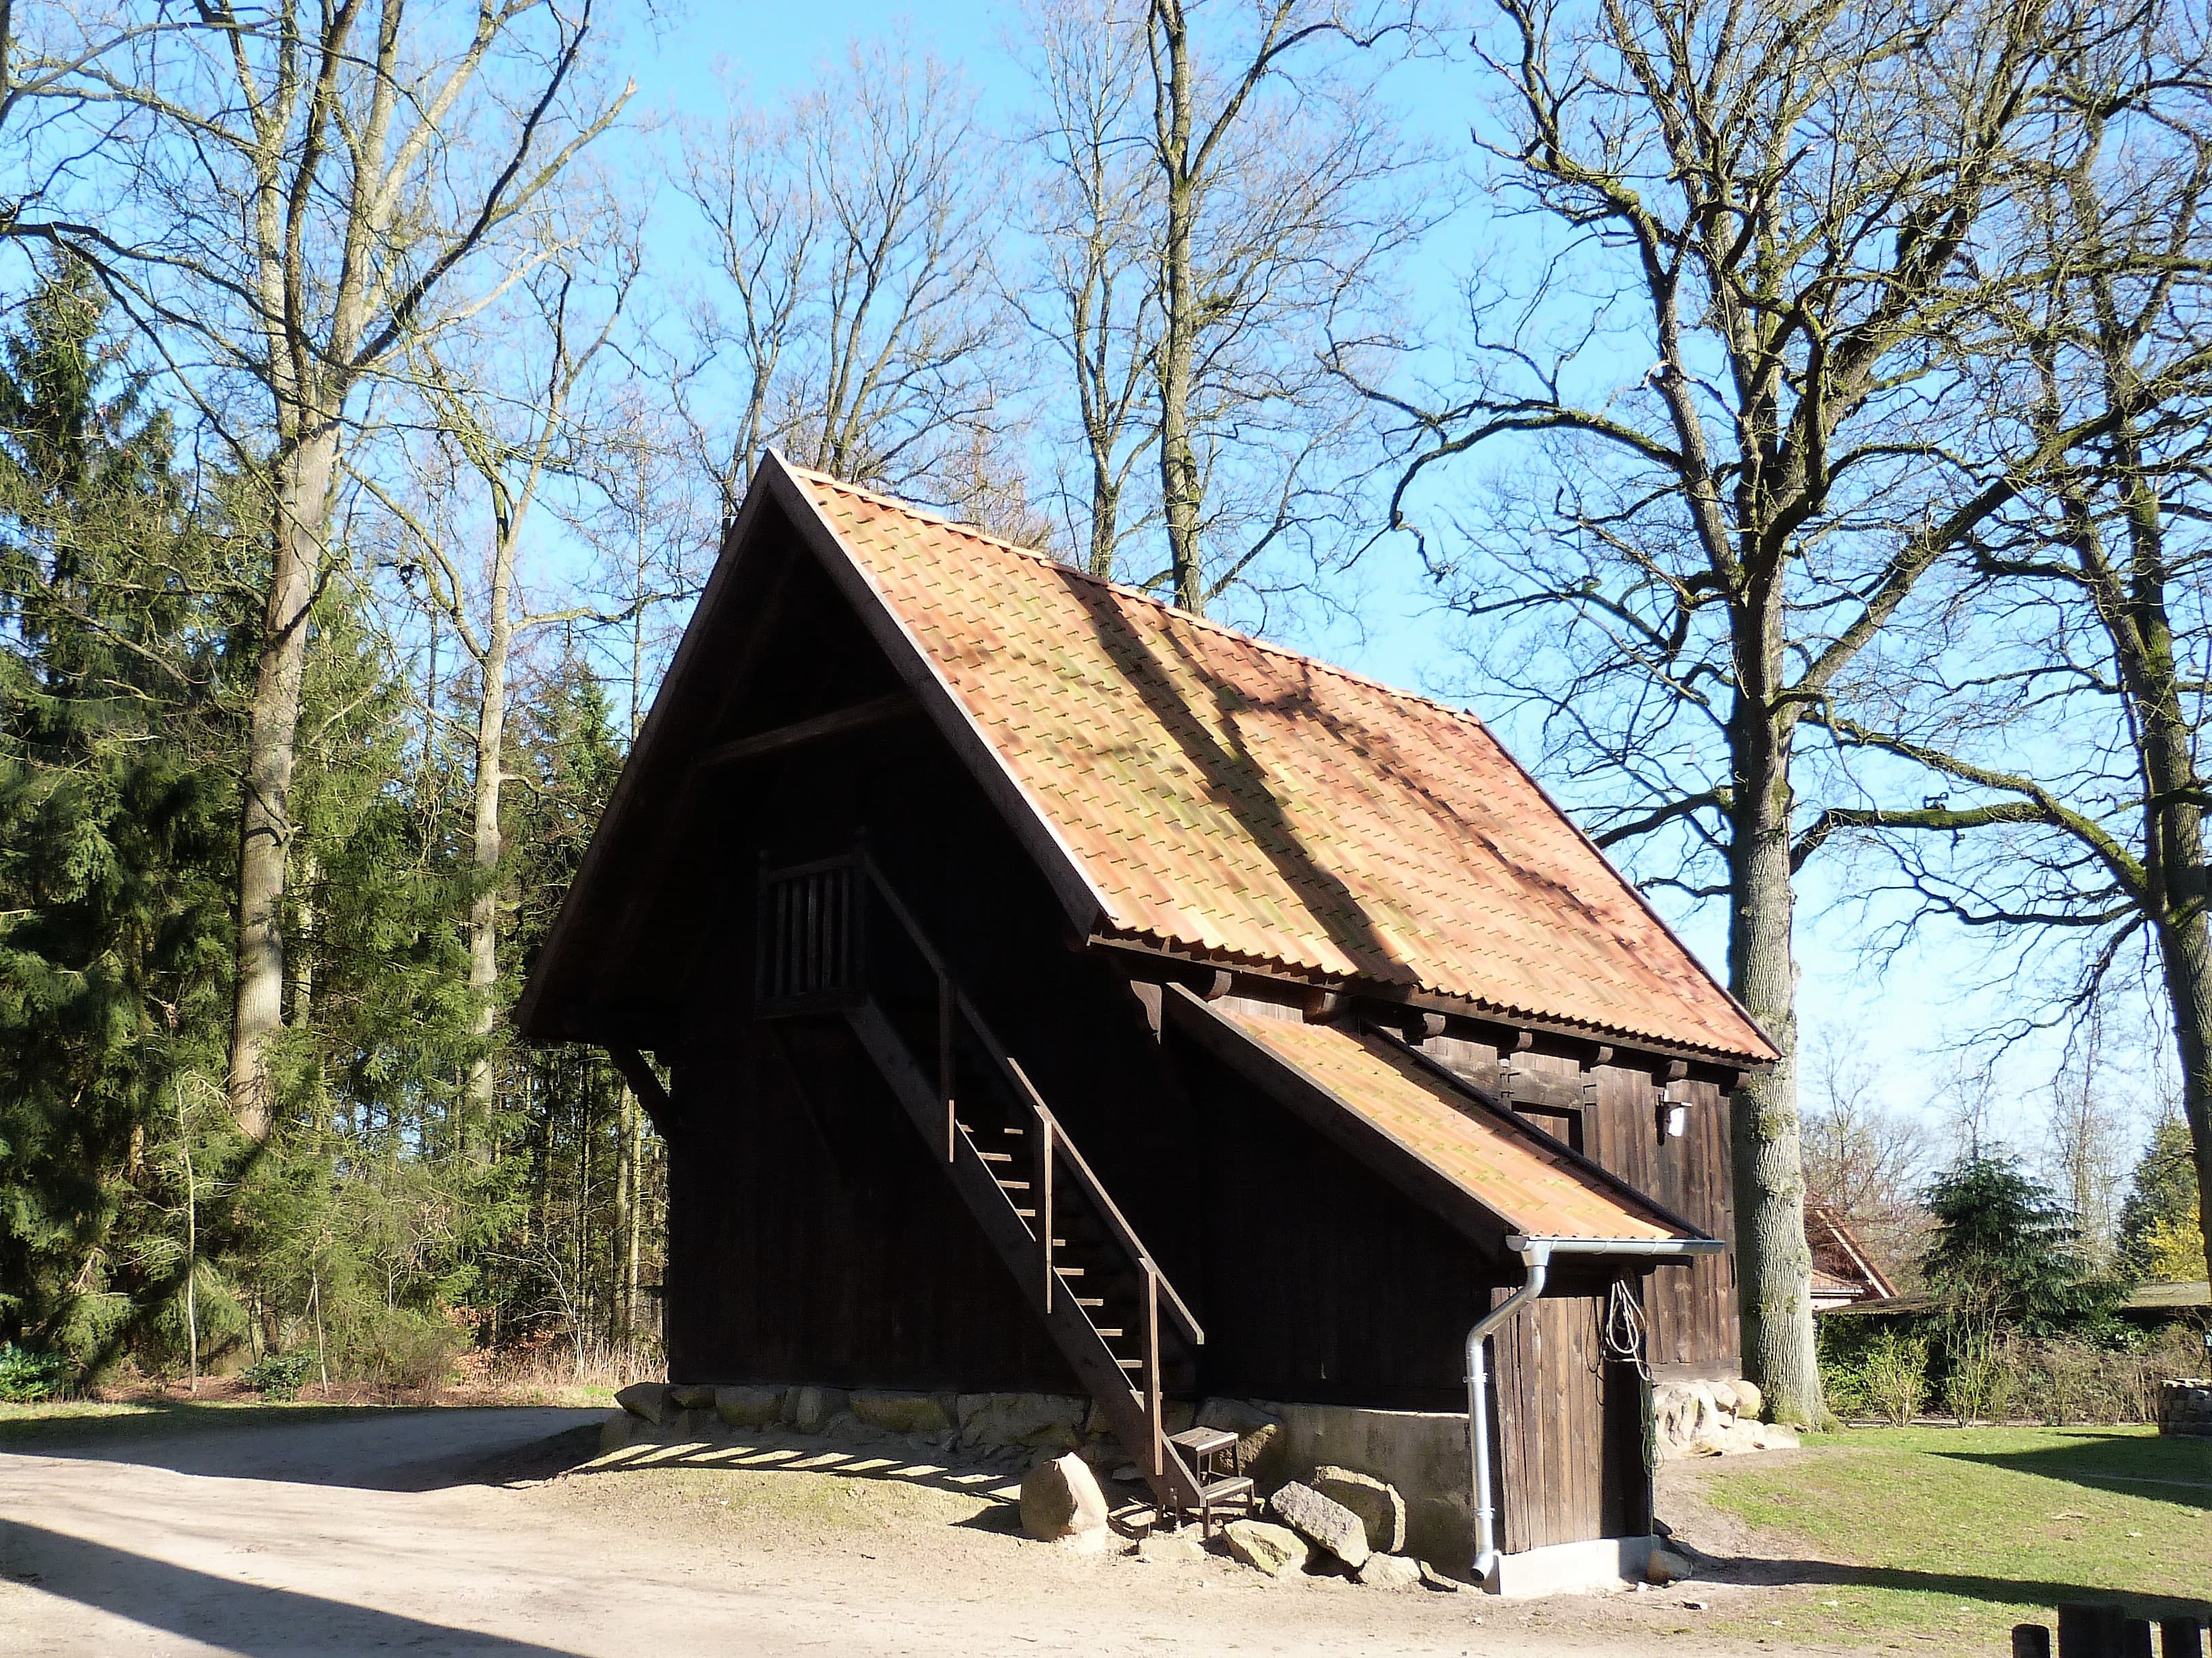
x=378 y=378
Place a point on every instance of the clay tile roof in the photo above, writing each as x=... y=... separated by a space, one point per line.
x=1229 y=797
x=1534 y=1190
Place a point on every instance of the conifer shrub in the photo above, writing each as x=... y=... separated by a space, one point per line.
x=28 y=1374
x=276 y=1375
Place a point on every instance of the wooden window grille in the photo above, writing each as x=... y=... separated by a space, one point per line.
x=811 y=935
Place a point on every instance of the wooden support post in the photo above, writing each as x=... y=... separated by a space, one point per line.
x=1044 y=1205
x=2178 y=1637
x=1152 y=1368
x=2089 y=1630
x=2135 y=1638
x=2030 y=1640
x=944 y=1064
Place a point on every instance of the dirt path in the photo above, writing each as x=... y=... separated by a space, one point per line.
x=456 y=1530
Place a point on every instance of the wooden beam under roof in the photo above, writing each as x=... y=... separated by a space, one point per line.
x=837 y=723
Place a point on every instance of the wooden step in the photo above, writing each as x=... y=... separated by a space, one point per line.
x=1013 y=1186
x=996 y=1156
x=1089 y=1301
x=1236 y=1490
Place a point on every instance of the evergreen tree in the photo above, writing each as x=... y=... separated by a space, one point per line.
x=116 y=808
x=2159 y=1238
x=2004 y=1245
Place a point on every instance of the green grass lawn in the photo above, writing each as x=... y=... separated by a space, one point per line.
x=1956 y=1534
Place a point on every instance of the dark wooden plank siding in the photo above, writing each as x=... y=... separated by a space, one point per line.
x=1569 y=1423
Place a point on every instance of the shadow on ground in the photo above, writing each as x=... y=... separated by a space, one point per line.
x=245 y=1618
x=898 y=1463
x=2164 y=1470
x=2032 y=1595
x=388 y=1449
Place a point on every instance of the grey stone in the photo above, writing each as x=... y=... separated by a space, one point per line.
x=1433 y=1579
x=1275 y=1550
x=645 y=1400
x=900 y=1413
x=813 y=1409
x=1061 y=1502
x=749 y=1407
x=1665 y=1567
x=1170 y=1548
x=1724 y=1395
x=1390 y=1571
x=1040 y=1421
x=1749 y=1401
x=617 y=1432
x=1378 y=1505
x=1325 y=1524
x=691 y=1396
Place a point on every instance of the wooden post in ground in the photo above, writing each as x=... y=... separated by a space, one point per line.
x=2090 y=1629
x=2181 y=1637
x=2030 y=1640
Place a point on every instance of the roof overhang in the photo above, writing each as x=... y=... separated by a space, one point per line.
x=1486 y=1172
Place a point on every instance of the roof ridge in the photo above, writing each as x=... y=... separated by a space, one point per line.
x=1174 y=612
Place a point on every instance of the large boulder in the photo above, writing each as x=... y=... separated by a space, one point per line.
x=1275 y=1550
x=1061 y=1503
x=749 y=1407
x=1749 y=1401
x=1327 y=1525
x=1378 y=1505
x=692 y=1396
x=1037 y=1421
x=812 y=1409
x=900 y=1413
x=645 y=1400
x=617 y=1432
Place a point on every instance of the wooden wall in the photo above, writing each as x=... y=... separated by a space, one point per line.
x=1569 y=1430
x=1610 y=1113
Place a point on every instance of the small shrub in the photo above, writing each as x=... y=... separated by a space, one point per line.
x=1980 y=1386
x=276 y=1375
x=27 y=1375
x=408 y=1353
x=1893 y=1376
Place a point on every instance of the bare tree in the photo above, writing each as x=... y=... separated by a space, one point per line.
x=1865 y=1158
x=2064 y=725
x=1093 y=297
x=852 y=323
x=1276 y=216
x=511 y=413
x=298 y=191
x=1791 y=213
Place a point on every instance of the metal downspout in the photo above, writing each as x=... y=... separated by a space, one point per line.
x=1536 y=1258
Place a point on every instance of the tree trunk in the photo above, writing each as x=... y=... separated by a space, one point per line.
x=1179 y=479
x=481 y=1095
x=1773 y=1265
x=303 y=958
x=2187 y=952
x=264 y=814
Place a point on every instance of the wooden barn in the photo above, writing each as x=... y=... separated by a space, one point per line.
x=1063 y=993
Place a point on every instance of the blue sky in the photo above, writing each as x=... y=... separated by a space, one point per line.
x=1896 y=1018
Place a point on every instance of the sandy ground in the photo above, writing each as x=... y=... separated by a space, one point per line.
x=477 y=1532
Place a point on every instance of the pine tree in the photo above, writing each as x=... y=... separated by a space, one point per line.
x=115 y=818
x=2159 y=1239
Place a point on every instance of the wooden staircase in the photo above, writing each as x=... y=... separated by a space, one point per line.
x=1128 y=1335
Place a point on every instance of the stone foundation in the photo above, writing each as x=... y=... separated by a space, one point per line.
x=1712 y=1418
x=2185 y=1408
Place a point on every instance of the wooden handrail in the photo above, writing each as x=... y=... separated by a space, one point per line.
x=1096 y=1191
x=1010 y=1070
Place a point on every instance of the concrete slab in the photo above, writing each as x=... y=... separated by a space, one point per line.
x=1608 y=1563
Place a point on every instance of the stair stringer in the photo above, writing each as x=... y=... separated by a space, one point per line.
x=1173 y=1485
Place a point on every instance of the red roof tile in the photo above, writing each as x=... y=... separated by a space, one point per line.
x=1233 y=798
x=1534 y=1190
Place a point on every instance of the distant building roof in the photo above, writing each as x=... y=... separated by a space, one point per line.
x=1843 y=1270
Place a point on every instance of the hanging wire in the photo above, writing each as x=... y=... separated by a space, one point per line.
x=1624 y=1329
